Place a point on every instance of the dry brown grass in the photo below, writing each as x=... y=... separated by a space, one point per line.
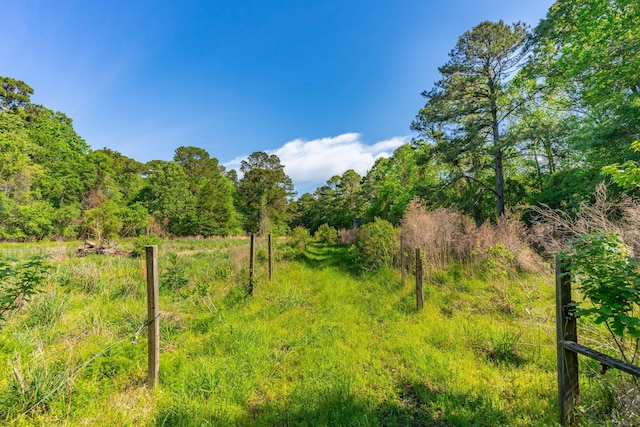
x=445 y=236
x=347 y=236
x=553 y=229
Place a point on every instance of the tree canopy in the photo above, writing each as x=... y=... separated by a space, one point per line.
x=517 y=117
x=468 y=110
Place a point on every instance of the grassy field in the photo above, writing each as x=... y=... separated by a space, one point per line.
x=319 y=345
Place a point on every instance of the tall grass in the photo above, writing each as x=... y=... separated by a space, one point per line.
x=319 y=345
x=446 y=237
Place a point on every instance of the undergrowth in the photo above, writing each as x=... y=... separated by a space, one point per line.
x=321 y=344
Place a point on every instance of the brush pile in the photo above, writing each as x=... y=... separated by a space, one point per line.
x=90 y=247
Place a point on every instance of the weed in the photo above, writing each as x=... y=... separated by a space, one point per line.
x=299 y=239
x=46 y=309
x=317 y=346
x=503 y=347
x=19 y=281
x=140 y=244
x=175 y=274
x=261 y=255
x=31 y=387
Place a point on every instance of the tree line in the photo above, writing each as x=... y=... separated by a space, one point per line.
x=519 y=116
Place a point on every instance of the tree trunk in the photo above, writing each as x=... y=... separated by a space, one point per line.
x=549 y=151
x=498 y=156
x=499 y=184
x=538 y=168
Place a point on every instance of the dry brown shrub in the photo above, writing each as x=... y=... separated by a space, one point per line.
x=347 y=236
x=513 y=235
x=154 y=227
x=554 y=229
x=445 y=235
x=440 y=234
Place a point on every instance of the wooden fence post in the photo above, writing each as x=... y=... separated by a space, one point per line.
x=403 y=271
x=419 y=275
x=566 y=329
x=270 y=258
x=153 y=314
x=252 y=259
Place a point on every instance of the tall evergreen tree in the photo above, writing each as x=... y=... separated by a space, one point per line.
x=468 y=110
x=14 y=93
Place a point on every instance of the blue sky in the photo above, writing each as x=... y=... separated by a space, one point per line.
x=327 y=85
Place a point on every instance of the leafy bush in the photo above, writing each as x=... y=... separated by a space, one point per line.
x=175 y=276
x=19 y=281
x=498 y=261
x=223 y=272
x=326 y=234
x=376 y=245
x=261 y=254
x=285 y=252
x=142 y=242
x=607 y=275
x=299 y=239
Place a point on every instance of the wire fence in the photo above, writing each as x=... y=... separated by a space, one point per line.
x=72 y=372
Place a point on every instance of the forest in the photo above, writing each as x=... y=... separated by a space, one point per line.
x=520 y=117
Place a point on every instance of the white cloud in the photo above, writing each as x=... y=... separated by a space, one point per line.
x=311 y=163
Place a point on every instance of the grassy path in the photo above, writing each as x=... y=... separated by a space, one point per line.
x=320 y=345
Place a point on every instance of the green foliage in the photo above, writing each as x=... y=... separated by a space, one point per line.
x=286 y=252
x=299 y=239
x=140 y=243
x=467 y=110
x=498 y=261
x=19 y=281
x=169 y=198
x=376 y=245
x=175 y=275
x=14 y=93
x=264 y=190
x=222 y=272
x=313 y=346
x=30 y=385
x=326 y=234
x=504 y=347
x=104 y=221
x=337 y=203
x=626 y=175
x=135 y=219
x=587 y=50
x=607 y=275
x=392 y=182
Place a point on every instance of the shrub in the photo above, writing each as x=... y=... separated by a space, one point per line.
x=18 y=282
x=445 y=236
x=142 y=242
x=498 y=261
x=261 y=254
x=376 y=244
x=607 y=275
x=326 y=234
x=554 y=230
x=299 y=239
x=175 y=276
x=285 y=252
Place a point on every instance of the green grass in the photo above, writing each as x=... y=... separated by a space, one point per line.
x=320 y=345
